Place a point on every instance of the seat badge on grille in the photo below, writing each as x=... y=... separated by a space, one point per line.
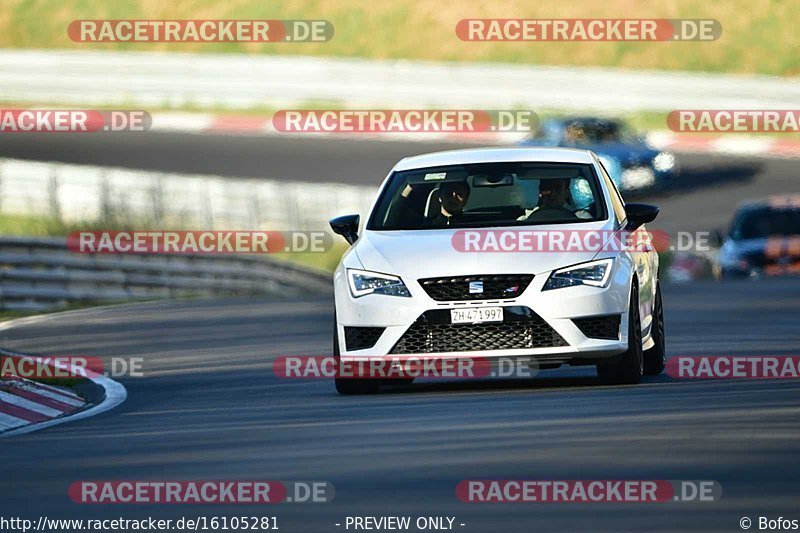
x=476 y=287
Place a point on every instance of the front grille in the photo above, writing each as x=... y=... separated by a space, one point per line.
x=599 y=327
x=356 y=338
x=432 y=332
x=477 y=287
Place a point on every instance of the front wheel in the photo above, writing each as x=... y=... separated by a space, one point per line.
x=655 y=359
x=627 y=369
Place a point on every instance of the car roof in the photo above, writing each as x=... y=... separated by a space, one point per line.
x=495 y=155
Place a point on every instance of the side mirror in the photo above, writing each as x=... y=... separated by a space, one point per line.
x=346 y=226
x=639 y=214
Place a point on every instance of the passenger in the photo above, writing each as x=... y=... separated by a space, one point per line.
x=554 y=195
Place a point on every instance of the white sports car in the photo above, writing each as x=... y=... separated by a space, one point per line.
x=506 y=252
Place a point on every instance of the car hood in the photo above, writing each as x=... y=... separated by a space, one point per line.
x=430 y=253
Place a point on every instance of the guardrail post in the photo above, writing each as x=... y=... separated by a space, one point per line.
x=53 y=196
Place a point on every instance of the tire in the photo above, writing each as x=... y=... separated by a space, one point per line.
x=351 y=386
x=655 y=359
x=628 y=368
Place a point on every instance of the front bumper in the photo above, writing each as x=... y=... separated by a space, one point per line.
x=537 y=324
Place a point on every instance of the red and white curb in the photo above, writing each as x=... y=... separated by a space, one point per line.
x=730 y=144
x=24 y=402
x=27 y=406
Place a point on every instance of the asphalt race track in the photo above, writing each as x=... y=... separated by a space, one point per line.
x=209 y=407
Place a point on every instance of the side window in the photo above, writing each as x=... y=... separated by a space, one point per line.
x=616 y=200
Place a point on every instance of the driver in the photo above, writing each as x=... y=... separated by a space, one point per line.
x=575 y=135
x=450 y=200
x=554 y=195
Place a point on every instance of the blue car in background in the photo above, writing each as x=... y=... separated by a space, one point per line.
x=763 y=240
x=633 y=164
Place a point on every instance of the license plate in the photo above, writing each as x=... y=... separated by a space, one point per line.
x=476 y=315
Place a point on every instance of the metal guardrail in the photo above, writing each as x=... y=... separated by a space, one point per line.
x=84 y=194
x=42 y=273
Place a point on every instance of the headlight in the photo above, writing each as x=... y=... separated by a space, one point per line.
x=637 y=178
x=363 y=282
x=594 y=273
x=664 y=161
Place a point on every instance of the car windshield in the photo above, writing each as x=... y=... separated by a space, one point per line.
x=766 y=222
x=489 y=195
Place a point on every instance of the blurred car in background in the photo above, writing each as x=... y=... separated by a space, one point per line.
x=687 y=266
x=633 y=164
x=763 y=240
